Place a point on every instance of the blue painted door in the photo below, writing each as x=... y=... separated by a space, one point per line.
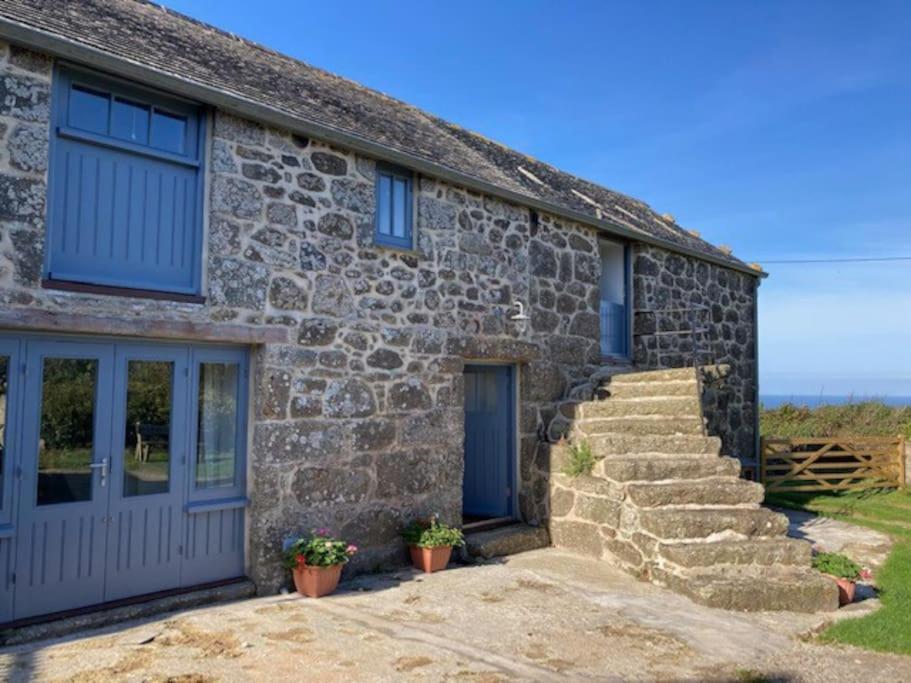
x=131 y=470
x=63 y=506
x=148 y=465
x=489 y=441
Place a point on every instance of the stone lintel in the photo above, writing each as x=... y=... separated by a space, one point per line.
x=24 y=320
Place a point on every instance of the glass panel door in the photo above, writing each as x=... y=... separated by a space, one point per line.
x=65 y=482
x=148 y=469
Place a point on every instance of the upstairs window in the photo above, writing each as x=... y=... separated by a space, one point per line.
x=394 y=207
x=125 y=198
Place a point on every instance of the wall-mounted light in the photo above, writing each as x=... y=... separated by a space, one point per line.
x=519 y=317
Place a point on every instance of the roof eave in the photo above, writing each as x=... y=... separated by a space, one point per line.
x=65 y=48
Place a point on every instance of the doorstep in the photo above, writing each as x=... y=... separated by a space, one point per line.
x=67 y=623
x=507 y=540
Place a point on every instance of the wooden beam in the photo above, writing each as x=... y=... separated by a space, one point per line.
x=145 y=327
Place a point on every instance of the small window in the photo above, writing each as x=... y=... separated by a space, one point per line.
x=394 y=207
x=130 y=121
x=168 y=132
x=89 y=110
x=217 y=420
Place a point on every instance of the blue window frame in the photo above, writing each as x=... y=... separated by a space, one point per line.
x=615 y=289
x=394 y=207
x=126 y=185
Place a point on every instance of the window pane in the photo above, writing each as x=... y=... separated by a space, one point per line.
x=216 y=446
x=4 y=393
x=88 y=110
x=168 y=132
x=399 y=205
x=384 y=205
x=130 y=121
x=147 y=451
x=65 y=448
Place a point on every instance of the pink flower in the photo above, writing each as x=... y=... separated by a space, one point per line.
x=322 y=532
x=866 y=574
x=351 y=549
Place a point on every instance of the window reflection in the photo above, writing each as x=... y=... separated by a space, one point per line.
x=147 y=448
x=216 y=448
x=66 y=443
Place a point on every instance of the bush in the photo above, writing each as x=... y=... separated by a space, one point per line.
x=318 y=550
x=432 y=534
x=866 y=418
x=581 y=460
x=836 y=565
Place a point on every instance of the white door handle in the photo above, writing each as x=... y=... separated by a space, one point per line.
x=103 y=466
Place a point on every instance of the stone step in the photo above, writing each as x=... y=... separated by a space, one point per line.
x=685 y=523
x=639 y=426
x=507 y=540
x=766 y=552
x=658 y=468
x=620 y=389
x=608 y=445
x=668 y=375
x=674 y=406
x=755 y=589
x=711 y=491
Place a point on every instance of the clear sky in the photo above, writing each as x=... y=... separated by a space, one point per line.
x=782 y=129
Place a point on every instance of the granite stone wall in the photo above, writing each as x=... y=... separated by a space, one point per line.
x=358 y=420
x=686 y=309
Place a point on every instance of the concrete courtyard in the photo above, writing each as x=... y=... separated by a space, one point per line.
x=545 y=616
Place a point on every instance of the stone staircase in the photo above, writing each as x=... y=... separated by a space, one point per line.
x=664 y=504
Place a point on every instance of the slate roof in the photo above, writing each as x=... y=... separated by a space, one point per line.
x=136 y=32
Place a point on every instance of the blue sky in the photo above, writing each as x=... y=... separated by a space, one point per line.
x=782 y=129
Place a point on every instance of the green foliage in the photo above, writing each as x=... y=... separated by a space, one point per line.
x=68 y=397
x=318 y=549
x=867 y=418
x=431 y=533
x=581 y=460
x=836 y=565
x=750 y=676
x=889 y=628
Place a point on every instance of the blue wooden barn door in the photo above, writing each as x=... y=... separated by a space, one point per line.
x=149 y=461
x=65 y=481
x=489 y=434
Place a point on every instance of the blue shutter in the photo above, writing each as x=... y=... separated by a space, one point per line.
x=394 y=207
x=126 y=186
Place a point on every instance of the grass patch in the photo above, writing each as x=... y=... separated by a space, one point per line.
x=888 y=629
x=581 y=460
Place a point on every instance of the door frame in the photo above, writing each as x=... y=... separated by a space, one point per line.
x=14 y=343
x=513 y=462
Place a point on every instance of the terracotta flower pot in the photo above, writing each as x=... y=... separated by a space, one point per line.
x=430 y=559
x=846 y=588
x=315 y=582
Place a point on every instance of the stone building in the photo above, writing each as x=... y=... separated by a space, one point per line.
x=273 y=300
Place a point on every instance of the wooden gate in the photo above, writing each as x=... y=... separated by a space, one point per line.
x=832 y=464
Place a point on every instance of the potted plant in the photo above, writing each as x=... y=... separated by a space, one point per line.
x=316 y=562
x=430 y=543
x=843 y=570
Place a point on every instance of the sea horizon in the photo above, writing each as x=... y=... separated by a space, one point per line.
x=816 y=400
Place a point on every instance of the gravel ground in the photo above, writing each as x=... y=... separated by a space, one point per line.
x=540 y=616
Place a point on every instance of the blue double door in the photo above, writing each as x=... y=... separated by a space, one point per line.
x=487 y=488
x=126 y=468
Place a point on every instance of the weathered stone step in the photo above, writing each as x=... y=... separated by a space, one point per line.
x=711 y=491
x=620 y=389
x=657 y=468
x=675 y=406
x=765 y=552
x=755 y=589
x=607 y=445
x=683 y=523
x=640 y=426
x=507 y=540
x=668 y=375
